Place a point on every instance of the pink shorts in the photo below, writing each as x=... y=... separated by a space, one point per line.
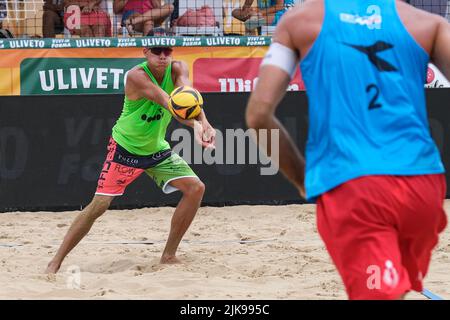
x=121 y=168
x=380 y=232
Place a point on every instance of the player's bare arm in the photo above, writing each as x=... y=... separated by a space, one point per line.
x=441 y=49
x=140 y=86
x=204 y=132
x=432 y=33
x=270 y=89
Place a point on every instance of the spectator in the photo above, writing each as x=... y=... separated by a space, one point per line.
x=3 y=10
x=142 y=15
x=267 y=12
x=4 y=33
x=52 y=20
x=94 y=22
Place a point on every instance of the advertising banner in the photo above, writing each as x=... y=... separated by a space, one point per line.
x=103 y=70
x=232 y=75
x=96 y=66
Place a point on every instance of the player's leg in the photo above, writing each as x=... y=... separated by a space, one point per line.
x=241 y=14
x=171 y=175
x=359 y=224
x=161 y=14
x=99 y=30
x=79 y=228
x=113 y=180
x=49 y=20
x=422 y=219
x=193 y=190
x=86 y=31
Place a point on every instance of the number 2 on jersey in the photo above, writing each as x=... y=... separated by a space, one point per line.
x=373 y=102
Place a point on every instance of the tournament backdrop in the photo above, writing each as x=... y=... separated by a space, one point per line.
x=52 y=150
x=99 y=65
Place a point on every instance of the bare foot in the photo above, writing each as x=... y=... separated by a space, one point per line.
x=52 y=268
x=166 y=259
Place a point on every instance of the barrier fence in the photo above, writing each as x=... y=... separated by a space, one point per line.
x=137 y=18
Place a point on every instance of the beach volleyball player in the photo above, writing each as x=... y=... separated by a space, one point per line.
x=138 y=145
x=371 y=164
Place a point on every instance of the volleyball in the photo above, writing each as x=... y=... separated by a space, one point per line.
x=185 y=102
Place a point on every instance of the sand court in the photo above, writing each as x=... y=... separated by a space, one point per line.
x=238 y=252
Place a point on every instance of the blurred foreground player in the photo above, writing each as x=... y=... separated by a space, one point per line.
x=371 y=163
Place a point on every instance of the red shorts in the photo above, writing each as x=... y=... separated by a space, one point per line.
x=380 y=232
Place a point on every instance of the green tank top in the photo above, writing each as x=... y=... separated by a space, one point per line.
x=141 y=128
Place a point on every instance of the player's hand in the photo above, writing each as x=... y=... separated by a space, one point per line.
x=209 y=134
x=204 y=134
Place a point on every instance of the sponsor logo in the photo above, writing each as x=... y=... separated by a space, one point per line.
x=86 y=43
x=74 y=75
x=372 y=51
x=232 y=75
x=126 y=42
x=255 y=41
x=223 y=41
x=156 y=117
x=126 y=161
x=435 y=79
x=124 y=170
x=121 y=181
x=190 y=42
x=26 y=43
x=61 y=43
x=430 y=75
x=158 y=42
x=373 y=20
x=390 y=275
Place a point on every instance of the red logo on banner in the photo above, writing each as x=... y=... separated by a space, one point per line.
x=430 y=75
x=232 y=75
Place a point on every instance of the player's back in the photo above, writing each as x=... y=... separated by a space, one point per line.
x=364 y=75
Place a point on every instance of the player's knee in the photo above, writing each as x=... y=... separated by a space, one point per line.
x=99 y=206
x=196 y=189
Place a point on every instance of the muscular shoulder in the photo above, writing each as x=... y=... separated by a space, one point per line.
x=179 y=67
x=300 y=26
x=422 y=25
x=136 y=74
x=136 y=80
x=180 y=70
x=411 y=15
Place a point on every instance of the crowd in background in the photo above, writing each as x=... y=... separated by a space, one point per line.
x=92 y=18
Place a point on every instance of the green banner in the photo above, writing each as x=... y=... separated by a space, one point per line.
x=135 y=42
x=74 y=75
